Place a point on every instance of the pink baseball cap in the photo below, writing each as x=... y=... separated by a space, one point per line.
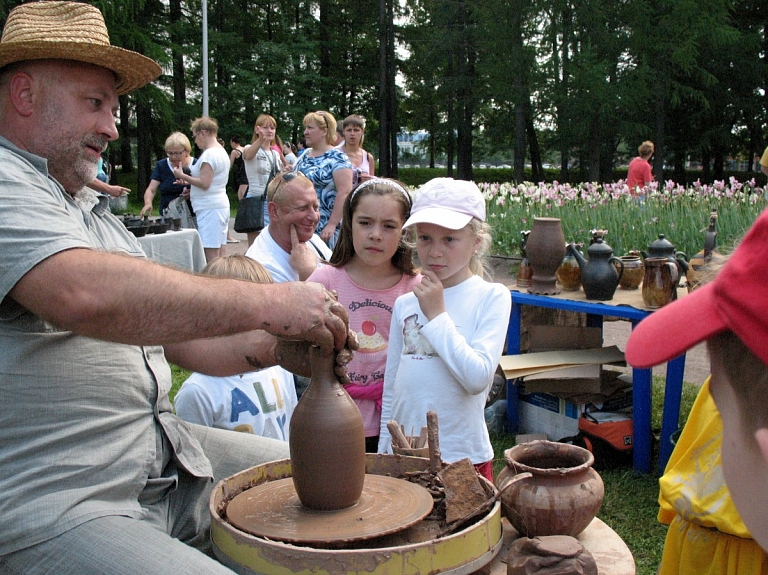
x=736 y=300
x=447 y=203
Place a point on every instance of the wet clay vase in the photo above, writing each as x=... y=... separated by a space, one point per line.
x=545 y=249
x=569 y=273
x=549 y=488
x=599 y=275
x=327 y=441
x=634 y=270
x=659 y=282
x=524 y=270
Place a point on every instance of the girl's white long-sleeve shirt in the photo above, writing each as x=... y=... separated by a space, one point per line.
x=446 y=365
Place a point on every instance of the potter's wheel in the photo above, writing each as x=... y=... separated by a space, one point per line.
x=273 y=510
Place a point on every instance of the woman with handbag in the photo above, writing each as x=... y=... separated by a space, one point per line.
x=179 y=150
x=262 y=164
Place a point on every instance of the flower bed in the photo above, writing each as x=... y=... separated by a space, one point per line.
x=681 y=213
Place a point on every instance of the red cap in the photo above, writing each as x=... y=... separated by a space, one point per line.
x=737 y=300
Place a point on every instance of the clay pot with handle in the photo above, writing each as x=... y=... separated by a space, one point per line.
x=663 y=248
x=659 y=282
x=549 y=488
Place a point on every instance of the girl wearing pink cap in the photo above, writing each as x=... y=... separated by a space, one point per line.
x=447 y=336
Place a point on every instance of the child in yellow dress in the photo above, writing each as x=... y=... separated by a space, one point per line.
x=706 y=533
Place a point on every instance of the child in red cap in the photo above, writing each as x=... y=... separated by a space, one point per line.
x=731 y=314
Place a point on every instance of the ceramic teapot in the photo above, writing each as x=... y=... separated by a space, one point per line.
x=599 y=275
x=663 y=248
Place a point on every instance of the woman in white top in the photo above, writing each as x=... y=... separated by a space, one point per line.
x=362 y=162
x=208 y=187
x=261 y=161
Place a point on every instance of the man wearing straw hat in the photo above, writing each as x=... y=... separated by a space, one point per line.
x=96 y=473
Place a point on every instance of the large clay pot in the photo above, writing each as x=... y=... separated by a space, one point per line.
x=545 y=249
x=327 y=441
x=549 y=488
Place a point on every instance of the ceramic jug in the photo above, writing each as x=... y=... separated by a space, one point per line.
x=659 y=282
x=599 y=276
x=327 y=441
x=663 y=248
x=545 y=248
x=549 y=488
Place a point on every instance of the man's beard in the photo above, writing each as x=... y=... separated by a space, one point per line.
x=66 y=152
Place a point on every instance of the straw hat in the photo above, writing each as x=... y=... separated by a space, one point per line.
x=71 y=31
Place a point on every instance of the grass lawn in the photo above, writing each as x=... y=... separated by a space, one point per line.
x=630 y=504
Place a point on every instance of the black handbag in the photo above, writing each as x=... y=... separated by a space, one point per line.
x=250 y=210
x=250 y=215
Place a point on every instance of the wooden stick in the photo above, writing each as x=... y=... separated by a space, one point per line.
x=398 y=437
x=422 y=441
x=435 y=457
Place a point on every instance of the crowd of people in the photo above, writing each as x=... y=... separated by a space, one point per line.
x=330 y=155
x=96 y=467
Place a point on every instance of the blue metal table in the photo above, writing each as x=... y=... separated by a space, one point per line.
x=641 y=378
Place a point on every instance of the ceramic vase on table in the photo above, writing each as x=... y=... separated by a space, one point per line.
x=545 y=249
x=327 y=441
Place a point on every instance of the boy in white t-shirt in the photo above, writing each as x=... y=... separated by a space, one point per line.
x=258 y=402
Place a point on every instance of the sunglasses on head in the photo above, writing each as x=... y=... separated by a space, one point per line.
x=284 y=178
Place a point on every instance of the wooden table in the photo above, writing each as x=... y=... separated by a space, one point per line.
x=611 y=554
x=626 y=304
x=182 y=249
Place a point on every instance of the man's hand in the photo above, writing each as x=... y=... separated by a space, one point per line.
x=294 y=357
x=303 y=258
x=309 y=312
